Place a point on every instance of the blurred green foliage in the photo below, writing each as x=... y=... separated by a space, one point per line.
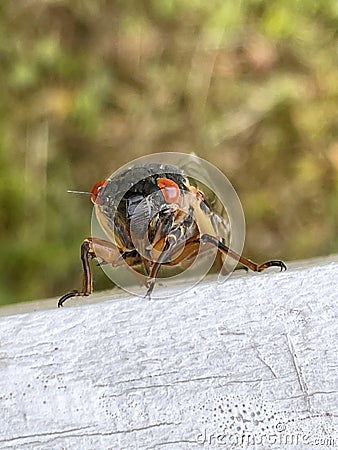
x=251 y=86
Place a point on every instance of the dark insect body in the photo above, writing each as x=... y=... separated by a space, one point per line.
x=154 y=217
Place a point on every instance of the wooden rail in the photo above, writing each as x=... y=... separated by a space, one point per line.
x=251 y=363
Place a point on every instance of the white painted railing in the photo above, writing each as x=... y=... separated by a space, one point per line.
x=251 y=362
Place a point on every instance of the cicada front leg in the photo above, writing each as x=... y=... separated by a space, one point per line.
x=168 y=242
x=91 y=248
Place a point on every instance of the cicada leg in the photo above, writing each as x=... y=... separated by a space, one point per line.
x=94 y=248
x=219 y=264
x=191 y=250
x=206 y=238
x=169 y=243
x=187 y=255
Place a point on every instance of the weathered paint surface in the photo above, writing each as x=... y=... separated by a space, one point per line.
x=251 y=362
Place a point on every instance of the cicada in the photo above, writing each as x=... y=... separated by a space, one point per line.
x=159 y=220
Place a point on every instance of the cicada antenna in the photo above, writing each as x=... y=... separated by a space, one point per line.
x=78 y=192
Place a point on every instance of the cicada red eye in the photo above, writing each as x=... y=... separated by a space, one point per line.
x=95 y=190
x=169 y=188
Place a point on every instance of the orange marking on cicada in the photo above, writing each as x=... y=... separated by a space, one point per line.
x=197 y=193
x=170 y=189
x=95 y=190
